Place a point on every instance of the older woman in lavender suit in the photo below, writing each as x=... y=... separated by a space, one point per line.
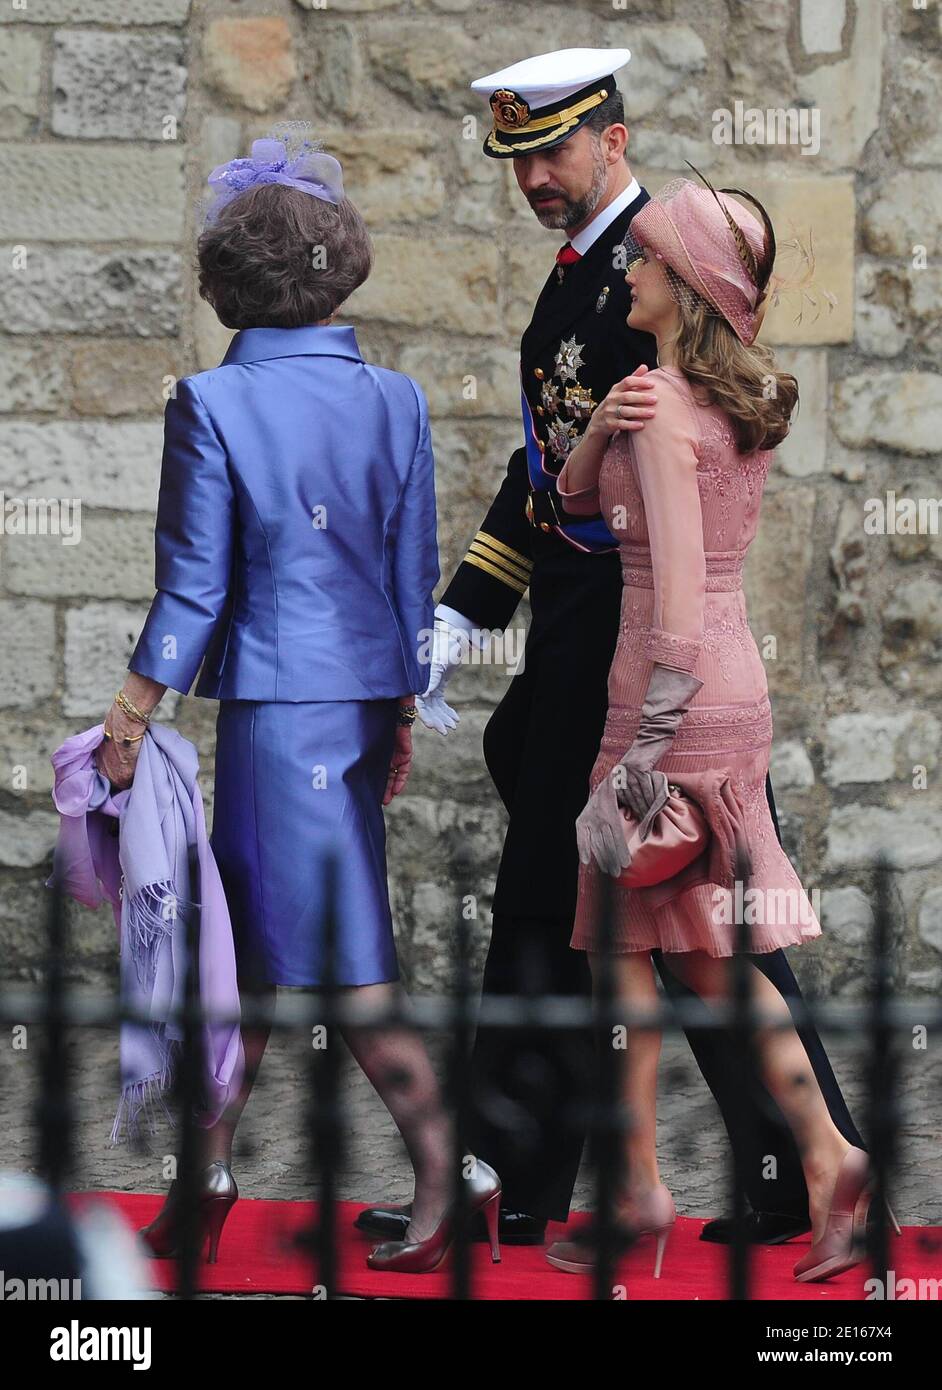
x=296 y=559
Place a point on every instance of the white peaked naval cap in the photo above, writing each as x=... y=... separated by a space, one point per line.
x=541 y=101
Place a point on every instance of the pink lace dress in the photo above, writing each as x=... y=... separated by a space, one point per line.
x=685 y=505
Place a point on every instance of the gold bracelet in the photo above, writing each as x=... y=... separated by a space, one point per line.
x=406 y=715
x=127 y=741
x=123 y=703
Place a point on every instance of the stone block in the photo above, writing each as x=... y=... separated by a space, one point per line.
x=27 y=839
x=804 y=451
x=103 y=463
x=777 y=592
x=132 y=378
x=114 y=556
x=99 y=639
x=889 y=410
x=124 y=12
x=33 y=379
x=250 y=61
x=448 y=283
x=102 y=193
x=930 y=919
x=28 y=653
x=118 y=86
x=879 y=747
x=20 y=75
x=790 y=767
x=904 y=215
x=470 y=381
x=820 y=213
x=911 y=652
x=859 y=836
x=846 y=915
x=75 y=289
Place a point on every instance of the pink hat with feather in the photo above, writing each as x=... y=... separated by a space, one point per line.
x=713 y=245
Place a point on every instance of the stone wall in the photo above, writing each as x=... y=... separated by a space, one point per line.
x=111 y=113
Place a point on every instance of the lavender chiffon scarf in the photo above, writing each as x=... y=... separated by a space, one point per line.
x=144 y=872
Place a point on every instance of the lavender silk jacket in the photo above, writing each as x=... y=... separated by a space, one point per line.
x=296 y=527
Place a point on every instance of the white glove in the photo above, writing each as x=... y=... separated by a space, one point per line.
x=432 y=708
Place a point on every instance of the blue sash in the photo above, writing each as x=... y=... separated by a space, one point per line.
x=590 y=535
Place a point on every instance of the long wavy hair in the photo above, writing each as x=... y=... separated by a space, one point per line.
x=742 y=379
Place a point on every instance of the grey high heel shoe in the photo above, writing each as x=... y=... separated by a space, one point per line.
x=423 y=1256
x=218 y=1194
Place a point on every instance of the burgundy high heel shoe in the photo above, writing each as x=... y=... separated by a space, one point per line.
x=843 y=1243
x=652 y=1214
x=218 y=1195
x=422 y=1256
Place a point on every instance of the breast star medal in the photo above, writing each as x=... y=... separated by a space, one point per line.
x=569 y=359
x=561 y=437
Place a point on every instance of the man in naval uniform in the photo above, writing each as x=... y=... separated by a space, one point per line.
x=560 y=118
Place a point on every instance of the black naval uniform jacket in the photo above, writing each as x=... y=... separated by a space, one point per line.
x=543 y=738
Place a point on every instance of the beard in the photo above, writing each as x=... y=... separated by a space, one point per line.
x=574 y=210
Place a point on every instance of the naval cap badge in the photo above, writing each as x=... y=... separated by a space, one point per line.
x=510 y=110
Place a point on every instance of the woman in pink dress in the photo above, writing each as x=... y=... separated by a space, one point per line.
x=687 y=687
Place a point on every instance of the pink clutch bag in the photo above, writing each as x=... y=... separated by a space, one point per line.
x=678 y=834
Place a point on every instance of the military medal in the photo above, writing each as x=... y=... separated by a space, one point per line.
x=550 y=397
x=602 y=300
x=579 y=401
x=561 y=436
x=569 y=359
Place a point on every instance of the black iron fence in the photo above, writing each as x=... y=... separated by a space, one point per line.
x=882 y=1021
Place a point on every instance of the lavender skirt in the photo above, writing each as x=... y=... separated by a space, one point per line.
x=292 y=780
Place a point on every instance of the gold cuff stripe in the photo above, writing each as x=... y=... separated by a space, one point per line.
x=470 y=559
x=558 y=117
x=522 y=560
x=476 y=548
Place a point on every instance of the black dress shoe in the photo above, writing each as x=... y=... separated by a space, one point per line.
x=762 y=1228
x=514 y=1227
x=388 y=1223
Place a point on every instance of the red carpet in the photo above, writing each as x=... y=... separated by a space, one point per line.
x=257 y=1254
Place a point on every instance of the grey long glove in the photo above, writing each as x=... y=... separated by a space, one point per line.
x=632 y=782
x=600 y=832
x=666 y=701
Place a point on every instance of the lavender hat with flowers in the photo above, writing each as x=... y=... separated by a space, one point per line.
x=292 y=159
